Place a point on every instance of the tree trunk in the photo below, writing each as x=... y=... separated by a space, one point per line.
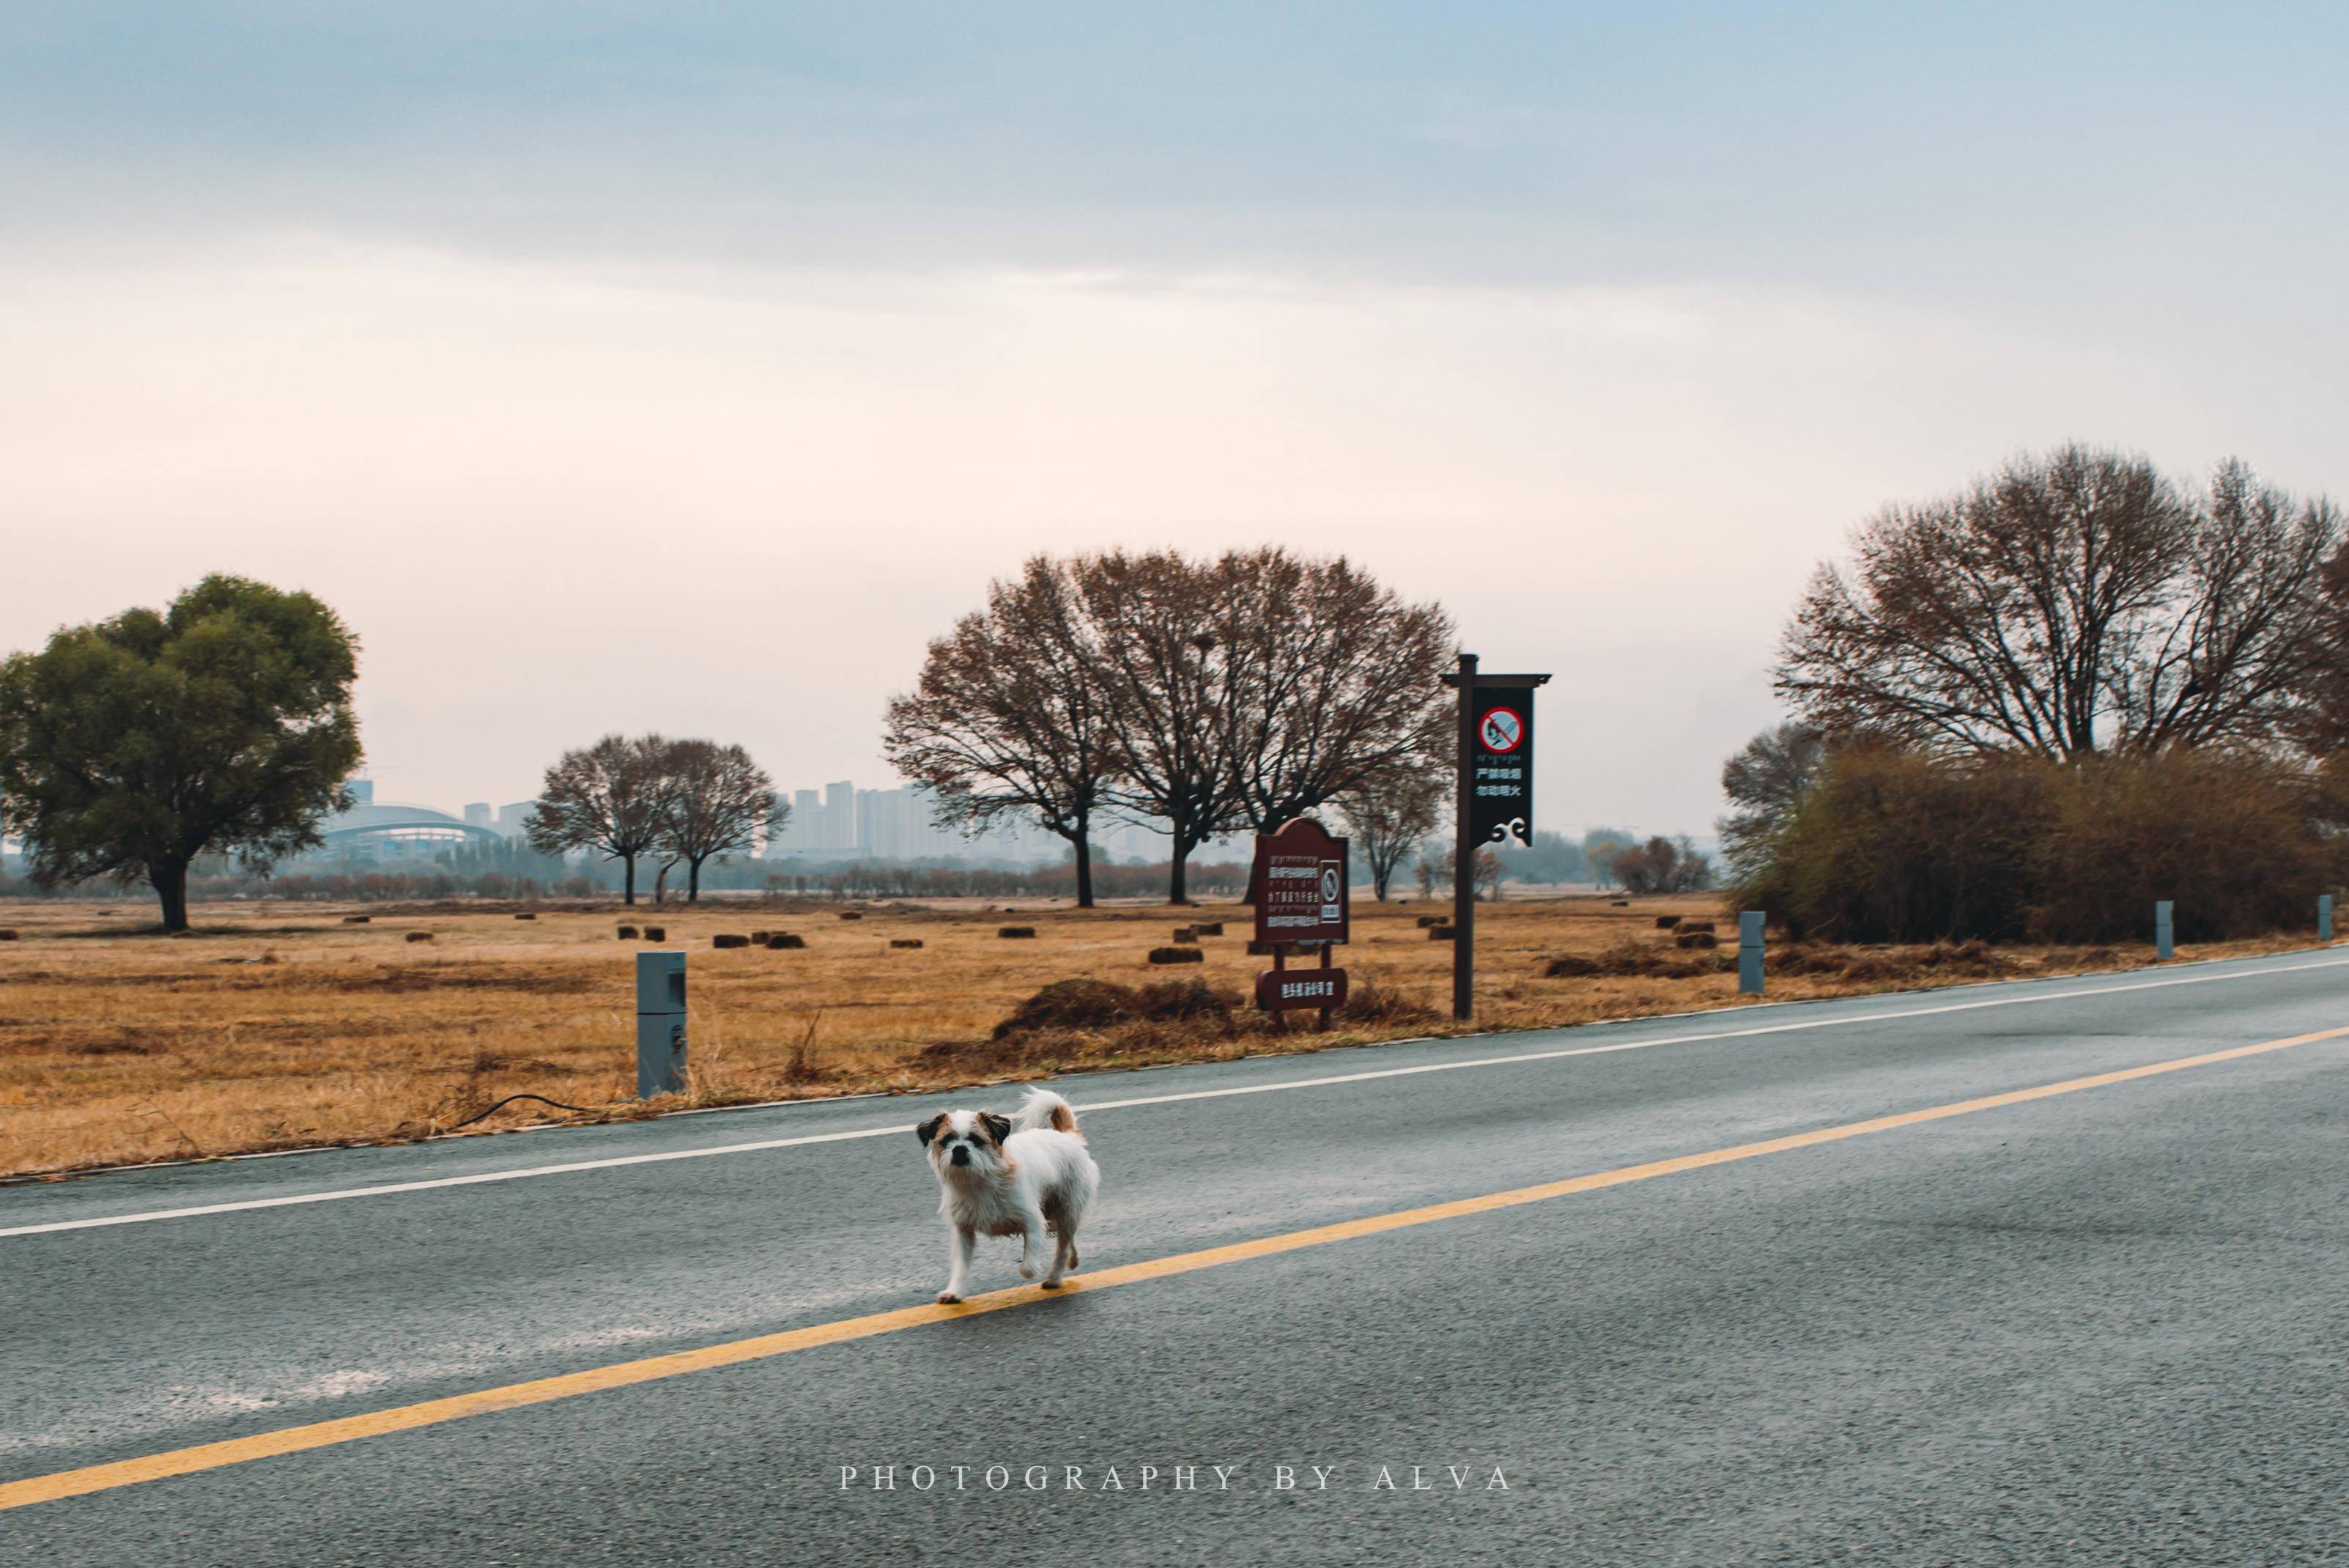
x=169 y=880
x=692 y=881
x=1084 y=869
x=628 y=879
x=1179 y=883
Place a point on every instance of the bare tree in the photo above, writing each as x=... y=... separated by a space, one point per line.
x=610 y=798
x=2069 y=605
x=1335 y=681
x=1007 y=720
x=1764 y=783
x=1389 y=816
x=718 y=803
x=1662 y=866
x=1167 y=683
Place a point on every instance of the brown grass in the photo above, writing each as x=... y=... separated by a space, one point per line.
x=277 y=1026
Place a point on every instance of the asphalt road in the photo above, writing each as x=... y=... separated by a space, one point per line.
x=2104 y=1325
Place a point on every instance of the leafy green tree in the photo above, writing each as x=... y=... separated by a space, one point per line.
x=222 y=724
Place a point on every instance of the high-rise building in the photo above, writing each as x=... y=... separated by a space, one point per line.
x=362 y=791
x=513 y=819
x=478 y=812
x=839 y=815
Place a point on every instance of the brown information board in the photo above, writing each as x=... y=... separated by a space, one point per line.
x=1301 y=882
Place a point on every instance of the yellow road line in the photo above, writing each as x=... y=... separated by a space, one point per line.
x=431 y=1412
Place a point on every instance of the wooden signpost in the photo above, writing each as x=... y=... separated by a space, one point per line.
x=1301 y=883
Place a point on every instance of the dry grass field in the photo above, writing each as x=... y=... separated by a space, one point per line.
x=278 y=1026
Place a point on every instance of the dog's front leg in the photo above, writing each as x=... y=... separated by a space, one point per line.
x=960 y=1243
x=1032 y=1243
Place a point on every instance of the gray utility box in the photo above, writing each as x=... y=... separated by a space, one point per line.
x=660 y=1025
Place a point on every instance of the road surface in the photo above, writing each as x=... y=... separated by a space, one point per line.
x=1816 y=1283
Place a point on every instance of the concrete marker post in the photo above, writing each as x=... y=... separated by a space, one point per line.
x=2164 y=945
x=1749 y=952
x=2324 y=917
x=660 y=1023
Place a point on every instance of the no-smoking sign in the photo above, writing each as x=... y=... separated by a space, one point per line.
x=1501 y=729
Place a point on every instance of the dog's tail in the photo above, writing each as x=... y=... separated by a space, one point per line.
x=1043 y=1109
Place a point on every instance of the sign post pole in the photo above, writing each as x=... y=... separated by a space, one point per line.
x=1463 y=853
x=1495 y=798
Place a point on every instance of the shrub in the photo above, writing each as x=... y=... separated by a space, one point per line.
x=1370 y=1002
x=1182 y=1001
x=1013 y=932
x=1071 y=1004
x=1894 y=846
x=1177 y=955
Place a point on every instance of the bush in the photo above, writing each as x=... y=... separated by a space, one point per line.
x=1071 y=1004
x=1893 y=846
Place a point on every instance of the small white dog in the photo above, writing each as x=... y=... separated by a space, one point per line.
x=1012 y=1176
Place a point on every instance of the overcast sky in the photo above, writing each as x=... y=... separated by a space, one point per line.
x=686 y=366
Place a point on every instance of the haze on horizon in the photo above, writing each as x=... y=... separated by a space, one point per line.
x=687 y=368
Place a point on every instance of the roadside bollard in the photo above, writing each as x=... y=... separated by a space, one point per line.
x=2163 y=946
x=1749 y=952
x=2324 y=917
x=660 y=1023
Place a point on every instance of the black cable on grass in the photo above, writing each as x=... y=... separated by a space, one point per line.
x=510 y=1099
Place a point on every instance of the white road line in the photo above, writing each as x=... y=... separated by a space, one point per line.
x=1094 y=1108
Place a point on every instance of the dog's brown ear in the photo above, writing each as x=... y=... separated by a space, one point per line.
x=930 y=1129
x=997 y=1128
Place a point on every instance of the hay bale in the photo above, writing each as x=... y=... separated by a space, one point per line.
x=852 y=914
x=1571 y=966
x=356 y=919
x=905 y=941
x=420 y=936
x=7 y=933
x=1666 y=922
x=1427 y=921
x=759 y=939
x=1688 y=938
x=780 y=940
x=627 y=933
x=1265 y=949
x=730 y=939
x=1010 y=932
x=1443 y=933
x=1623 y=903
x=1210 y=929
x=656 y=933
x=1186 y=934
x=526 y=915
x=1698 y=926
x=1177 y=955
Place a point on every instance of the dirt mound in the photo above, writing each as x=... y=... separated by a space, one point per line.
x=1071 y=1004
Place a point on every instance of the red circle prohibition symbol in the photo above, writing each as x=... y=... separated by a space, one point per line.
x=1501 y=729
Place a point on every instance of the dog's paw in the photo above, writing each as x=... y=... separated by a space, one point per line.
x=947 y=1298
x=1027 y=1270
x=1052 y=1284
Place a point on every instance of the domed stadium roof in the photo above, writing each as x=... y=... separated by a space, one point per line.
x=392 y=819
